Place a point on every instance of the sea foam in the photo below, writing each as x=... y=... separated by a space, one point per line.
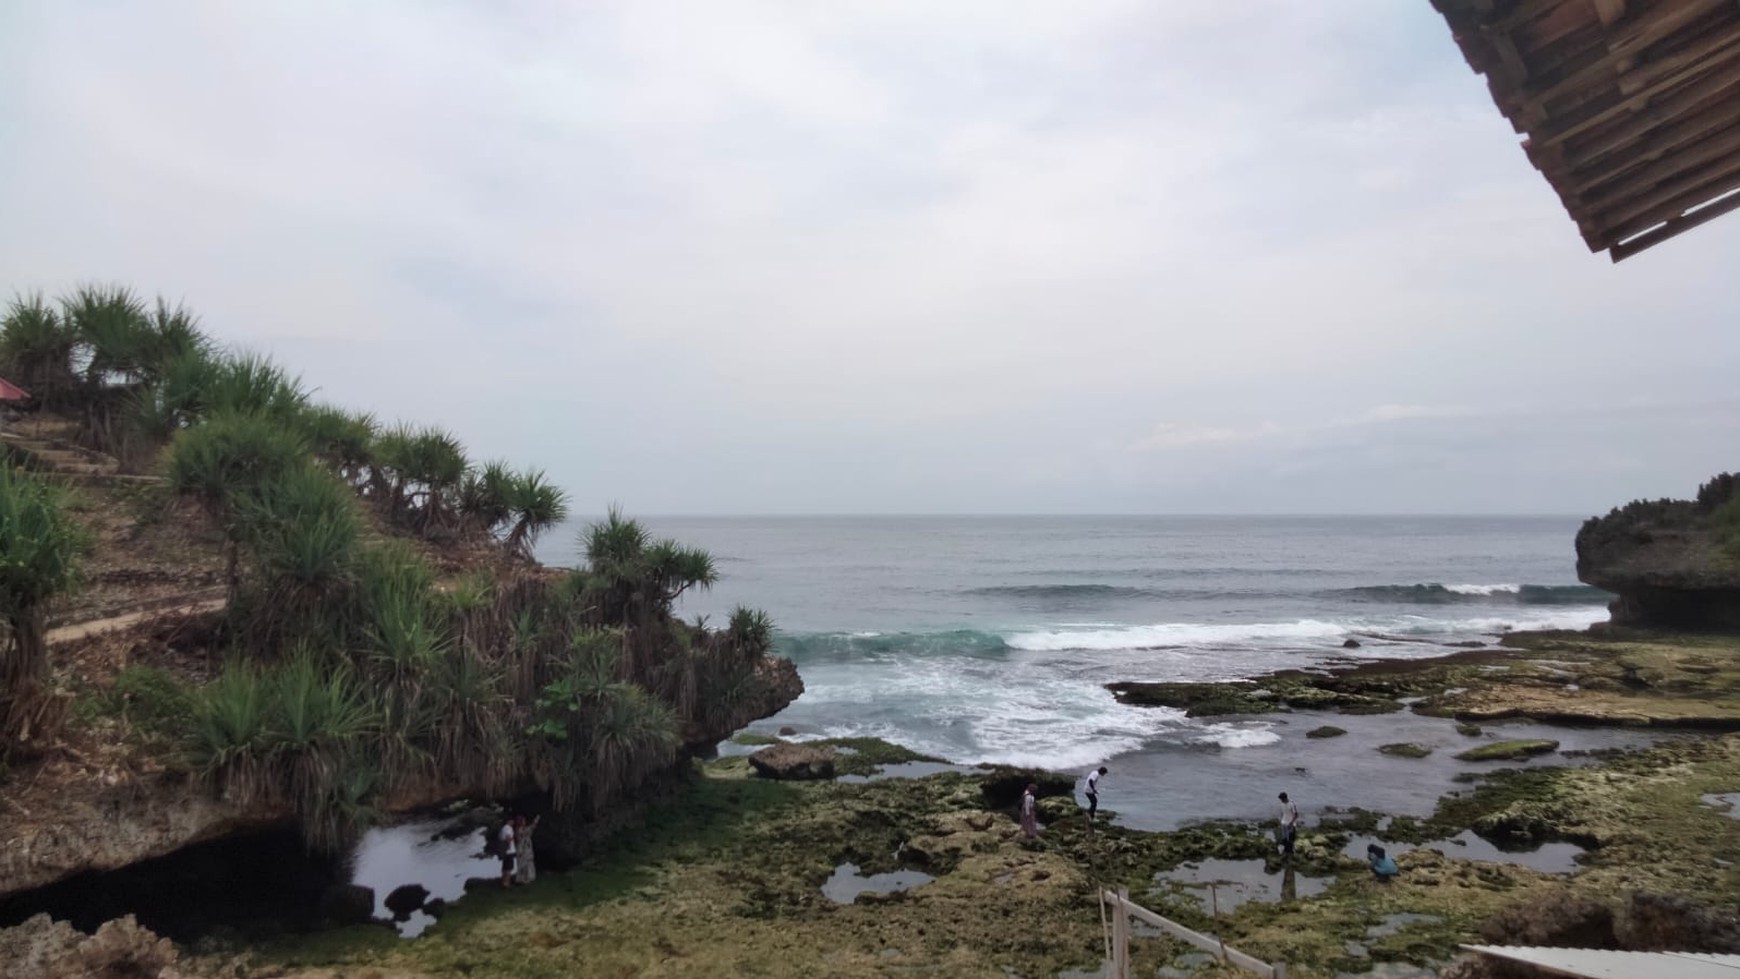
x=1175 y=634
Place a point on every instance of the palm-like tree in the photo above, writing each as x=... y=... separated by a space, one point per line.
x=341 y=439
x=536 y=505
x=482 y=498
x=40 y=550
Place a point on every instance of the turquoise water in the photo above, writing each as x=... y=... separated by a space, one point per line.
x=989 y=639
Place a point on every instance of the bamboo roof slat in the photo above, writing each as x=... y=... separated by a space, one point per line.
x=1629 y=108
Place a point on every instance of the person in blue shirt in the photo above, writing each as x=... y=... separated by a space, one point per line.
x=1383 y=866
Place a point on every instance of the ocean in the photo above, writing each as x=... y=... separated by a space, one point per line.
x=990 y=639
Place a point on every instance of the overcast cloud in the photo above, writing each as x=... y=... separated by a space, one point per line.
x=883 y=257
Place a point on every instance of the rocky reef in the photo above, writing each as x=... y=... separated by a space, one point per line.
x=1674 y=564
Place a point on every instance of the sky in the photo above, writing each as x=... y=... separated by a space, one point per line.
x=882 y=257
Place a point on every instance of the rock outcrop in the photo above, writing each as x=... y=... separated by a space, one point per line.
x=794 y=762
x=1674 y=564
x=44 y=949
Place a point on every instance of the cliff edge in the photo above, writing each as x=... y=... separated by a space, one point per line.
x=1674 y=564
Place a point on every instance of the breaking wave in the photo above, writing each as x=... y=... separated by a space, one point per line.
x=1432 y=593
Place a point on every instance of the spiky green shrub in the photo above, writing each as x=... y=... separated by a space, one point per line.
x=177 y=398
x=303 y=529
x=251 y=384
x=36 y=348
x=225 y=461
x=323 y=723
x=114 y=334
x=41 y=549
x=599 y=730
x=230 y=737
x=299 y=734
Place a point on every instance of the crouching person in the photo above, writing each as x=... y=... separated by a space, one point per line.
x=1383 y=866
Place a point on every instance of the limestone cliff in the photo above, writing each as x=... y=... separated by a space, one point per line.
x=1672 y=563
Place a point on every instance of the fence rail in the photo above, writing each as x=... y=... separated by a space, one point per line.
x=1123 y=909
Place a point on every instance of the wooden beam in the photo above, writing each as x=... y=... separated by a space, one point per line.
x=1522 y=13
x=1677 y=226
x=1668 y=203
x=1208 y=943
x=1624 y=44
x=1691 y=102
x=1676 y=69
x=1710 y=149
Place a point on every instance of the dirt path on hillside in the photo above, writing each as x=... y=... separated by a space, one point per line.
x=81 y=630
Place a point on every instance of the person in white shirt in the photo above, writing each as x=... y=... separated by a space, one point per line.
x=1289 y=825
x=1093 y=792
x=508 y=851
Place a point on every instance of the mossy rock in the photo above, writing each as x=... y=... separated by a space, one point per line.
x=1196 y=699
x=1326 y=731
x=1405 y=749
x=755 y=738
x=1509 y=750
x=1469 y=730
x=866 y=756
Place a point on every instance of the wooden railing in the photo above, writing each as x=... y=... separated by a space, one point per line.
x=1123 y=909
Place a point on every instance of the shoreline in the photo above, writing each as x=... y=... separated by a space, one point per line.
x=730 y=877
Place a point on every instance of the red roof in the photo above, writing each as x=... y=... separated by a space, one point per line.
x=12 y=392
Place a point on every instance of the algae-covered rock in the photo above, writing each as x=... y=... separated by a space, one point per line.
x=1674 y=922
x=1326 y=731
x=1509 y=750
x=1405 y=749
x=1196 y=699
x=794 y=762
x=1469 y=730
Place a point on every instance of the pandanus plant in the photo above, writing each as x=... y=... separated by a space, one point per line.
x=40 y=551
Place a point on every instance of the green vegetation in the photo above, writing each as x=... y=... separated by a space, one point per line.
x=354 y=667
x=40 y=549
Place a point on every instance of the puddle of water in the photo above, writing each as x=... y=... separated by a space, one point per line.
x=1389 y=924
x=1727 y=802
x=1548 y=858
x=847 y=883
x=1237 y=882
x=436 y=854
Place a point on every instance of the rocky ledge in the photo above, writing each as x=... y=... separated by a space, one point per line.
x=1619 y=677
x=1674 y=564
x=72 y=824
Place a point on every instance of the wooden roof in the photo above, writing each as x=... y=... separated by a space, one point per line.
x=1631 y=108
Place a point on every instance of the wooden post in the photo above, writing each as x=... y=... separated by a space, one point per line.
x=1121 y=936
x=1280 y=970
